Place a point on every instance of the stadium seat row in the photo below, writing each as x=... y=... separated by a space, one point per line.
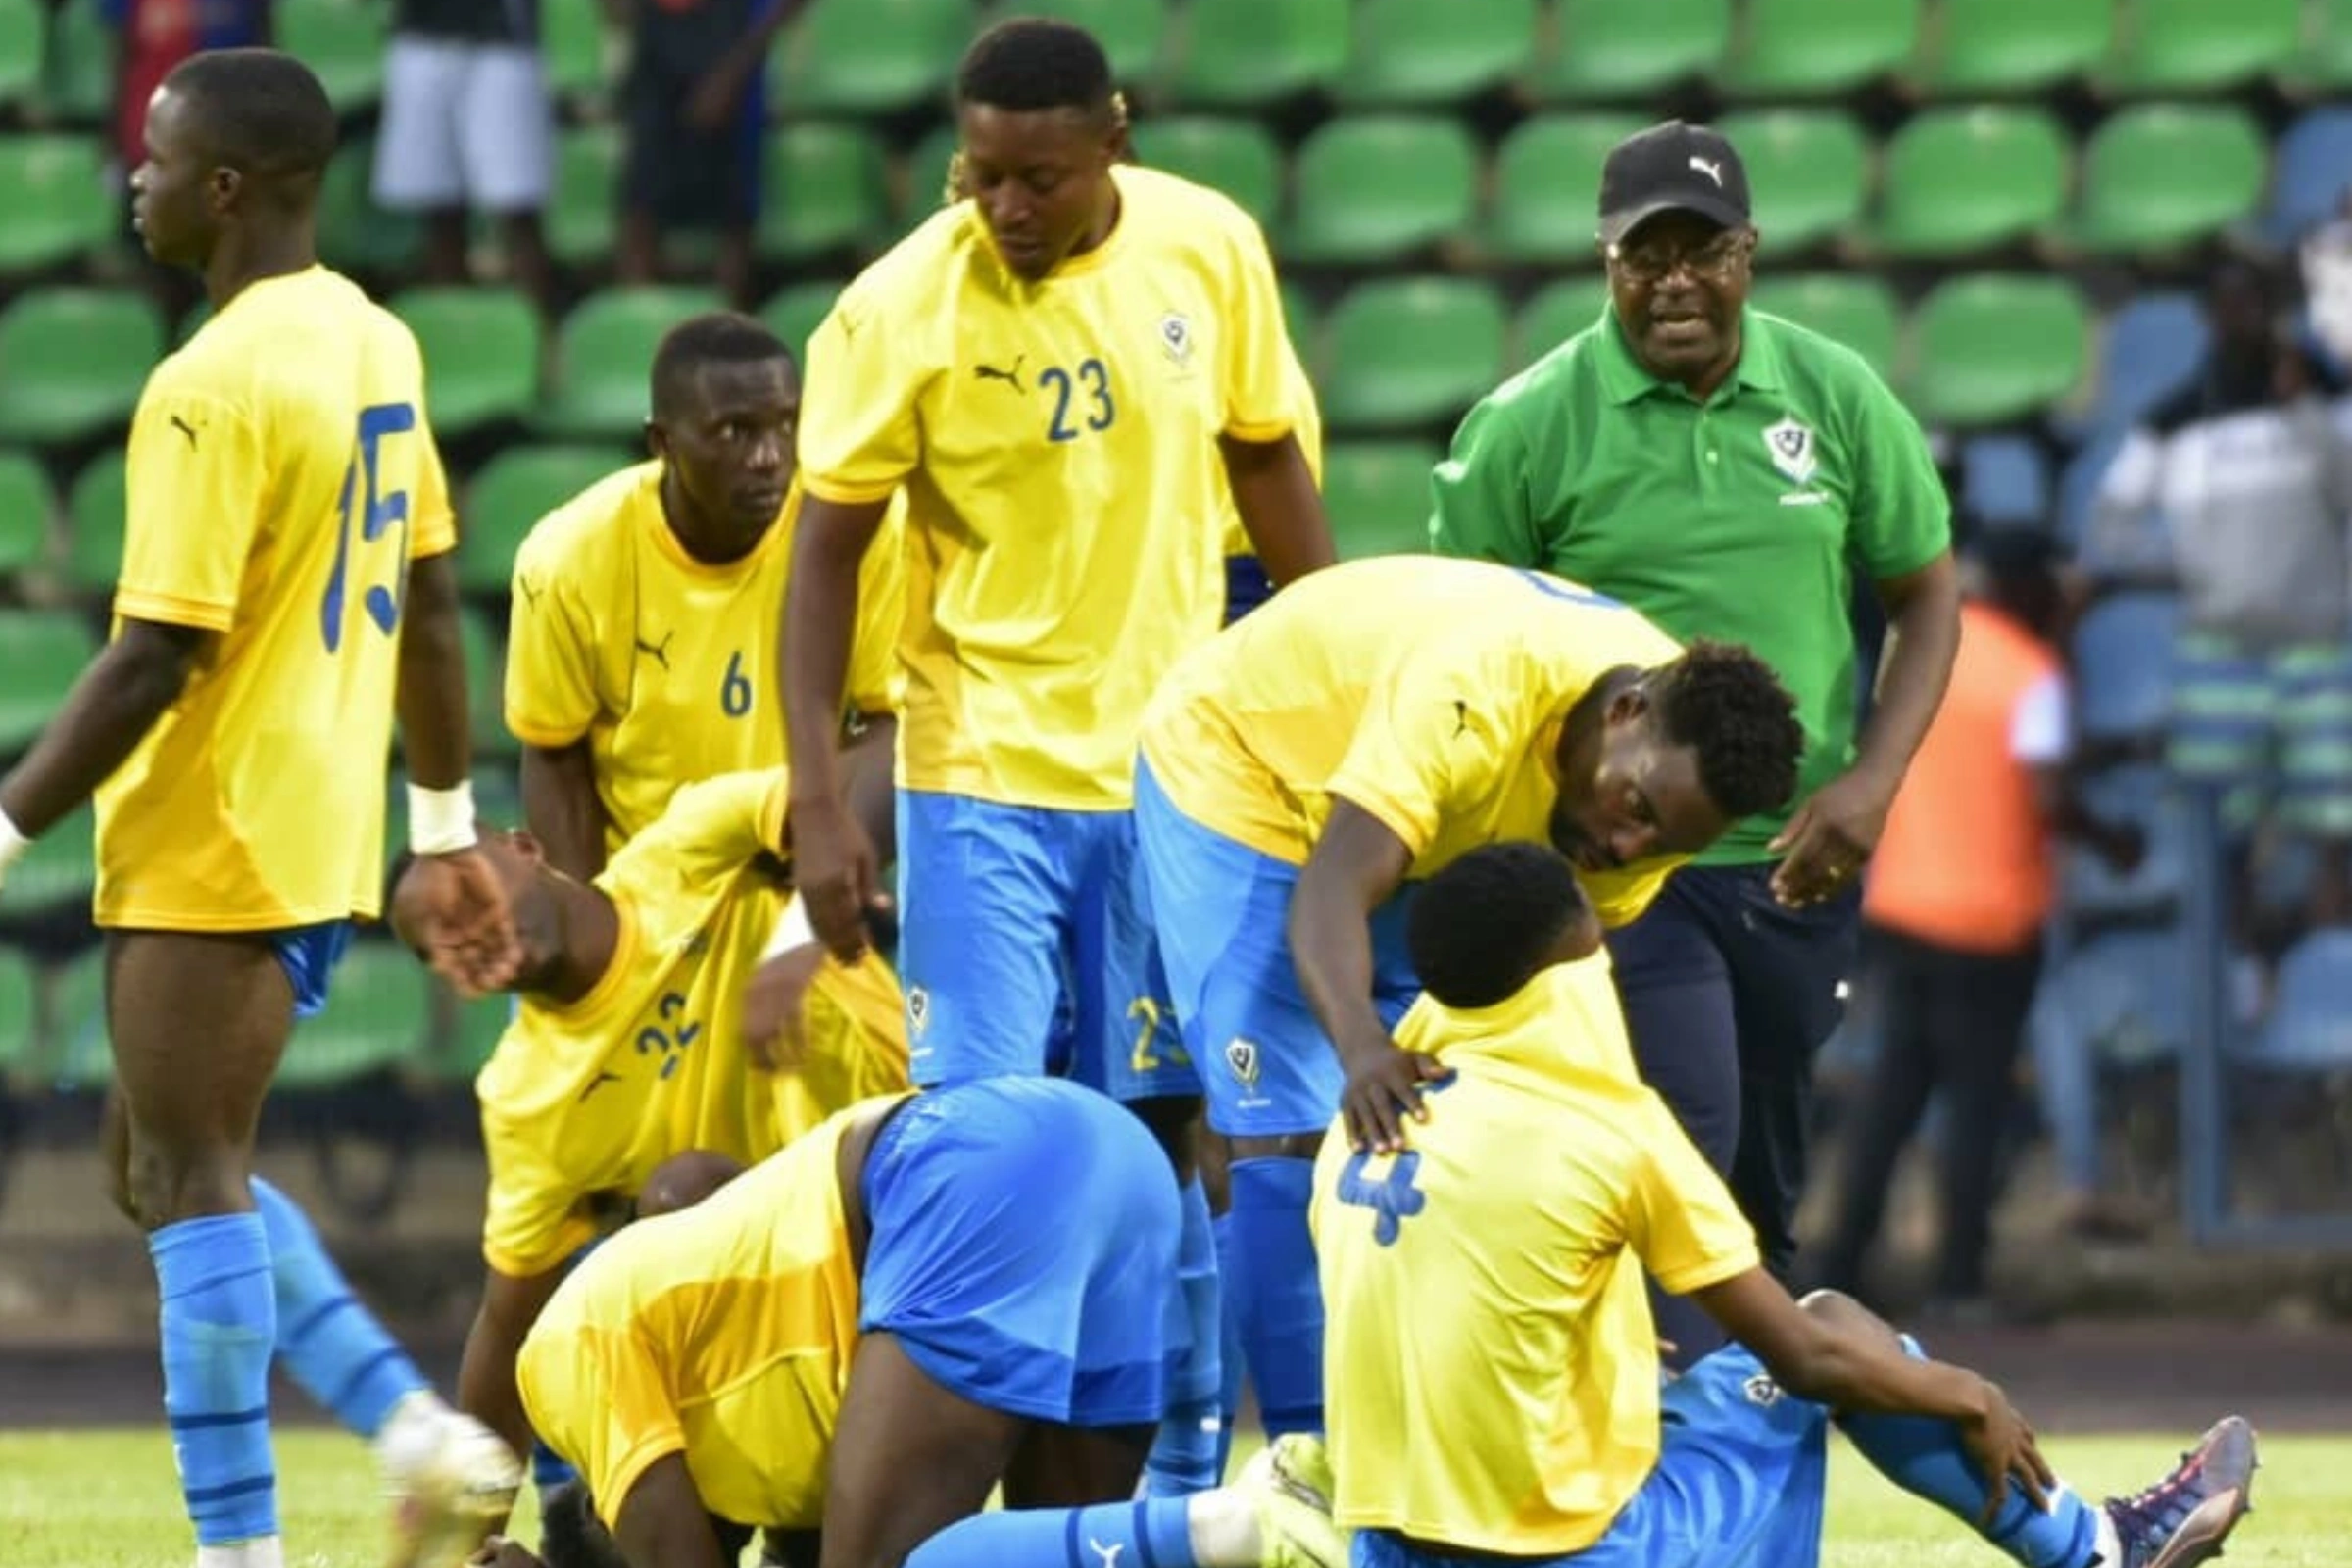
x=880 y=56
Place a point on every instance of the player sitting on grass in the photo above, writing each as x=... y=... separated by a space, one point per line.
x=928 y=1296
x=1521 y=1216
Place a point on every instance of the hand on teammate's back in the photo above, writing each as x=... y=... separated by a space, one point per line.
x=1825 y=845
x=1383 y=1089
x=2004 y=1449
x=772 y=1033
x=833 y=866
x=464 y=922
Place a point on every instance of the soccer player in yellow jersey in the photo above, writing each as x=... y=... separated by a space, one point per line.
x=643 y=653
x=866 y=1334
x=1521 y=1215
x=1300 y=772
x=286 y=585
x=1066 y=371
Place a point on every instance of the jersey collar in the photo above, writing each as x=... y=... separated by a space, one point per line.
x=1625 y=382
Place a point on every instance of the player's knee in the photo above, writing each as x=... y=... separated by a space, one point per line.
x=162 y=1186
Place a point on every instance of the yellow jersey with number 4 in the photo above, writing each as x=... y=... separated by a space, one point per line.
x=282 y=476
x=1057 y=442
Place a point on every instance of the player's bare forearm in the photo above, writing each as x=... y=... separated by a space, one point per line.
x=867 y=767
x=1357 y=865
x=1923 y=634
x=126 y=689
x=820 y=611
x=1847 y=1360
x=486 y=1387
x=561 y=808
x=662 y=1523
x=433 y=717
x=1274 y=491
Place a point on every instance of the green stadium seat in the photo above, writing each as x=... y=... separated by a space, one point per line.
x=25 y=503
x=869 y=57
x=1984 y=48
x=20 y=1015
x=572 y=38
x=1959 y=180
x=21 y=48
x=1400 y=351
x=77 y=73
x=1248 y=53
x=2157 y=176
x=1301 y=314
x=1433 y=52
x=2322 y=66
x=43 y=651
x=75 y=1053
x=485 y=682
x=825 y=185
x=1604 y=50
x=922 y=181
x=1991 y=347
x=1133 y=33
x=795 y=311
x=2190 y=46
x=1553 y=314
x=604 y=350
x=57 y=875
x=354 y=233
x=1369 y=187
x=73 y=361
x=1854 y=308
x=1227 y=153
x=343 y=44
x=97 y=508
x=1809 y=170
x=482 y=354
x=1377 y=495
x=378 y=1015
x=1548 y=186
x=53 y=189
x=582 y=223
x=1817 y=48
x=510 y=494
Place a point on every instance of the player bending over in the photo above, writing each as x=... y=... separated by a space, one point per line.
x=286 y=585
x=864 y=1335
x=1303 y=771
x=1522 y=1213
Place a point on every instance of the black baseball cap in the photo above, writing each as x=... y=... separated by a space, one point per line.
x=1671 y=167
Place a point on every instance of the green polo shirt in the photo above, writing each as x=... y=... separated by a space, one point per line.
x=1735 y=519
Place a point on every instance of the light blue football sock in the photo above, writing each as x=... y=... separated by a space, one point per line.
x=1278 y=1302
x=333 y=1345
x=1232 y=1361
x=1154 y=1534
x=1185 y=1455
x=1925 y=1458
x=219 y=1320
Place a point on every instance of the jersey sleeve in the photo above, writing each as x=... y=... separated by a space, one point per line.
x=874 y=682
x=858 y=434
x=1681 y=1220
x=1479 y=493
x=619 y=1413
x=532 y=1218
x=1440 y=732
x=1620 y=896
x=1256 y=350
x=432 y=520
x=195 y=477
x=551 y=695
x=1902 y=516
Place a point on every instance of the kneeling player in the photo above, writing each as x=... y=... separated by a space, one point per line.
x=926 y=1296
x=1522 y=1215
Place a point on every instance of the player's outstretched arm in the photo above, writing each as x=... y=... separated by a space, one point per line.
x=662 y=1523
x=1355 y=865
x=1274 y=491
x=561 y=808
x=833 y=856
x=116 y=701
x=488 y=1389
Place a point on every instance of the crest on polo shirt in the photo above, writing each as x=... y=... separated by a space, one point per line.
x=1176 y=336
x=1791 y=446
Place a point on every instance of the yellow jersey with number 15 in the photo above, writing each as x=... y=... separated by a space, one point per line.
x=282 y=476
x=1057 y=442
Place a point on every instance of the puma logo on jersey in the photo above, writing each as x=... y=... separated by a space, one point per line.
x=598 y=1082
x=658 y=652
x=186 y=430
x=529 y=590
x=1461 y=718
x=1011 y=377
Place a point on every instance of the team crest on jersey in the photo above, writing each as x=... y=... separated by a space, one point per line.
x=918 y=1010
x=1792 y=447
x=1762 y=1391
x=1241 y=1059
x=1176 y=336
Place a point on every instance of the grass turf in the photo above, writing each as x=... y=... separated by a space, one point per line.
x=107 y=1497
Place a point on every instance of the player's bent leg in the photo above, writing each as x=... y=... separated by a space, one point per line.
x=910 y=1458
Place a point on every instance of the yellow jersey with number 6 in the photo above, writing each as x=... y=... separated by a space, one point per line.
x=1057 y=443
x=282 y=476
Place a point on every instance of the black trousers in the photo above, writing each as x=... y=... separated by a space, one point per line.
x=1951 y=1021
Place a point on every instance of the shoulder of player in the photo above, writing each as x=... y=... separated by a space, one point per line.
x=1182 y=212
x=915 y=272
x=581 y=533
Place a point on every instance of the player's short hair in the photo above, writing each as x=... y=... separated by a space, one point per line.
x=1027 y=63
x=716 y=338
x=1482 y=928
x=569 y=1535
x=262 y=112
x=1727 y=705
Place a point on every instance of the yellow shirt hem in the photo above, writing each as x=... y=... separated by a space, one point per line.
x=571 y=1236
x=844 y=494
x=545 y=737
x=1714 y=1271
x=148 y=918
x=1262 y=434
x=1538 y=1544
x=170 y=610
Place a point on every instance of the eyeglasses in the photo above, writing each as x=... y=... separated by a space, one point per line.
x=1712 y=261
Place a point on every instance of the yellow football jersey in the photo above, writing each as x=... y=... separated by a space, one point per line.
x=667 y=664
x=579 y=1102
x=282 y=476
x=1430 y=692
x=722 y=1333
x=1057 y=442
x=1520 y=1217
x=1306 y=425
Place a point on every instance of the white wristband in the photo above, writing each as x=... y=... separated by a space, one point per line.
x=441 y=821
x=793 y=930
x=13 y=842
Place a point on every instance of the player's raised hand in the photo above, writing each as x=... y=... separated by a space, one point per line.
x=463 y=923
x=772 y=1032
x=1825 y=845
x=833 y=866
x=1383 y=1090
x=2003 y=1448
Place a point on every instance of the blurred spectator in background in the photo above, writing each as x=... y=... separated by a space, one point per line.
x=468 y=125
x=2327 y=256
x=2250 y=467
x=1953 y=911
x=696 y=106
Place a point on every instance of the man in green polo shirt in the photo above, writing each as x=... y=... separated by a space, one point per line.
x=1723 y=471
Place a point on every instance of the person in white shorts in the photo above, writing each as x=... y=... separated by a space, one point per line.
x=467 y=126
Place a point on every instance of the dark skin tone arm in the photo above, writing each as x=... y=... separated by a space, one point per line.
x=1274 y=491
x=1833 y=832
x=662 y=1523
x=486 y=1387
x=561 y=808
x=117 y=699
